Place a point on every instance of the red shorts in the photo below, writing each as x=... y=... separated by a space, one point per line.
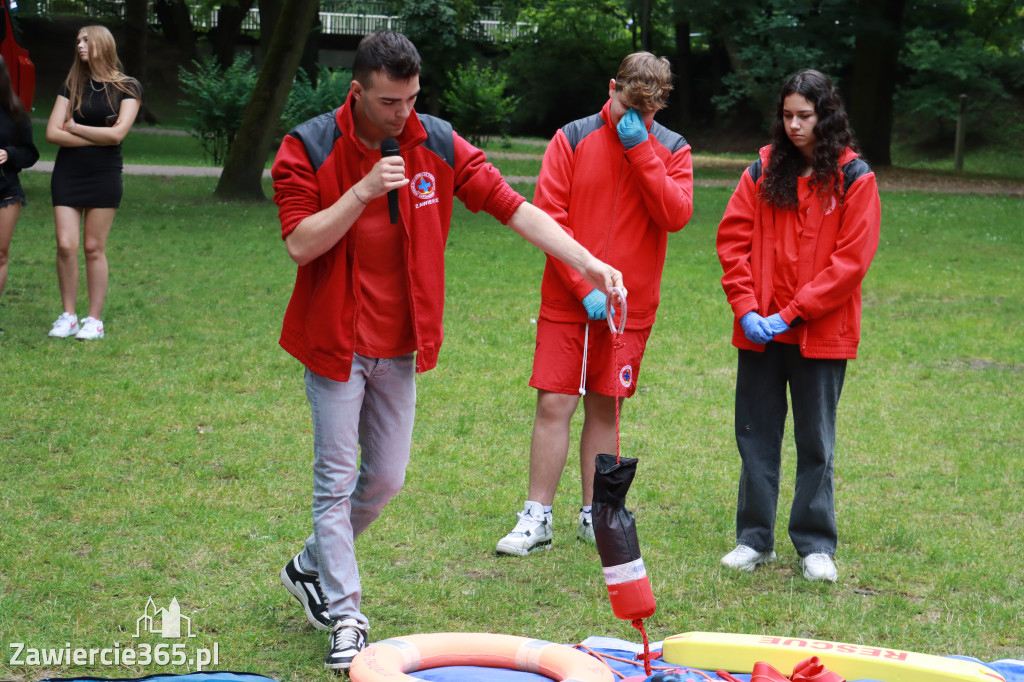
x=558 y=358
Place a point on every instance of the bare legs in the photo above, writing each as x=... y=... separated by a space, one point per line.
x=549 y=446
x=8 y=219
x=97 y=224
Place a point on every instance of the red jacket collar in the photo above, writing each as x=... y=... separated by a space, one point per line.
x=412 y=135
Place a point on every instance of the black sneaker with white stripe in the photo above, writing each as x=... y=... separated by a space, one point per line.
x=306 y=588
x=348 y=638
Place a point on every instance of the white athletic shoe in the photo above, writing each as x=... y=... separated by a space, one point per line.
x=819 y=566
x=66 y=325
x=585 y=528
x=91 y=329
x=531 y=534
x=745 y=558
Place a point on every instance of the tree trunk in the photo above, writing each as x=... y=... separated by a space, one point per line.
x=224 y=36
x=136 y=49
x=176 y=23
x=243 y=168
x=645 y=25
x=681 y=97
x=311 y=54
x=270 y=13
x=876 y=58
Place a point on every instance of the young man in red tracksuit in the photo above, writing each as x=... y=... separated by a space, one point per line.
x=795 y=242
x=618 y=183
x=366 y=311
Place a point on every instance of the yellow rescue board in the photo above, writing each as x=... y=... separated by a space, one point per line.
x=738 y=653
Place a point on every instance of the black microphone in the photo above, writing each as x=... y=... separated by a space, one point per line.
x=389 y=147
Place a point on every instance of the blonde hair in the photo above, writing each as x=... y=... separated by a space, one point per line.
x=644 y=81
x=103 y=67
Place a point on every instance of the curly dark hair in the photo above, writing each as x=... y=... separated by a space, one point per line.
x=832 y=135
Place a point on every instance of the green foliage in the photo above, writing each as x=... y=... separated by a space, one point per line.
x=444 y=32
x=766 y=46
x=563 y=69
x=215 y=99
x=476 y=104
x=307 y=100
x=942 y=67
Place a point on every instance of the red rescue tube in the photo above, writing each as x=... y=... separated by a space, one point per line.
x=389 y=660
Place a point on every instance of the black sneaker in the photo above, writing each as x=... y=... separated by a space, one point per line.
x=348 y=638
x=306 y=588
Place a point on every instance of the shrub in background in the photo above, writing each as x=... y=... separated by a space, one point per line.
x=476 y=104
x=307 y=99
x=214 y=99
x=943 y=66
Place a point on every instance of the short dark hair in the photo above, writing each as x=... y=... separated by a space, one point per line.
x=387 y=51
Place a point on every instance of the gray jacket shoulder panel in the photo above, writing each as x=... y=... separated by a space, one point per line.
x=755 y=170
x=669 y=139
x=318 y=136
x=853 y=171
x=440 y=138
x=580 y=128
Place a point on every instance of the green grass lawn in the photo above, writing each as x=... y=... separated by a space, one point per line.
x=172 y=458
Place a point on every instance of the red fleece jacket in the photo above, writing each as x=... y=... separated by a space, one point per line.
x=317 y=162
x=837 y=245
x=620 y=204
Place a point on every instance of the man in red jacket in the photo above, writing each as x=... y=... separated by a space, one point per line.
x=367 y=306
x=618 y=183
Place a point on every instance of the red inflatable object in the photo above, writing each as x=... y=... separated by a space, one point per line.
x=23 y=71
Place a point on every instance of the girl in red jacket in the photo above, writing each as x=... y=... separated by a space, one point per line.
x=795 y=243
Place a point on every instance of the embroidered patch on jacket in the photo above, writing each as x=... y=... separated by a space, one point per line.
x=423 y=186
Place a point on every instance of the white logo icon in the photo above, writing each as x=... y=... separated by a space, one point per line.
x=163 y=622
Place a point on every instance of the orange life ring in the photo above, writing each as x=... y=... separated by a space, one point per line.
x=389 y=660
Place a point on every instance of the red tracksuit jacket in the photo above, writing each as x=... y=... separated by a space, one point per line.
x=619 y=204
x=836 y=248
x=317 y=162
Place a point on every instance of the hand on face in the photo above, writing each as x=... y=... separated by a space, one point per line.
x=632 y=130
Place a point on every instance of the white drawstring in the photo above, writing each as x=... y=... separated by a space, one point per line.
x=583 y=374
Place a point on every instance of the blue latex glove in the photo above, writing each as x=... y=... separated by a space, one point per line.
x=595 y=302
x=632 y=130
x=756 y=328
x=776 y=324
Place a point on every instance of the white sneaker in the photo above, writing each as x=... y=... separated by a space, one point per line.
x=745 y=558
x=91 y=329
x=819 y=566
x=585 y=528
x=531 y=534
x=65 y=326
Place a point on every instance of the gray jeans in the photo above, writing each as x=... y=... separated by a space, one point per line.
x=362 y=433
x=815 y=386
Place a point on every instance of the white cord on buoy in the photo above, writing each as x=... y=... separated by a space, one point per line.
x=583 y=374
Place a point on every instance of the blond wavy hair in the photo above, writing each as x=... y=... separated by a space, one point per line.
x=644 y=81
x=103 y=67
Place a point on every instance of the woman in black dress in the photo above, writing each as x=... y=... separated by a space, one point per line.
x=16 y=152
x=95 y=109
